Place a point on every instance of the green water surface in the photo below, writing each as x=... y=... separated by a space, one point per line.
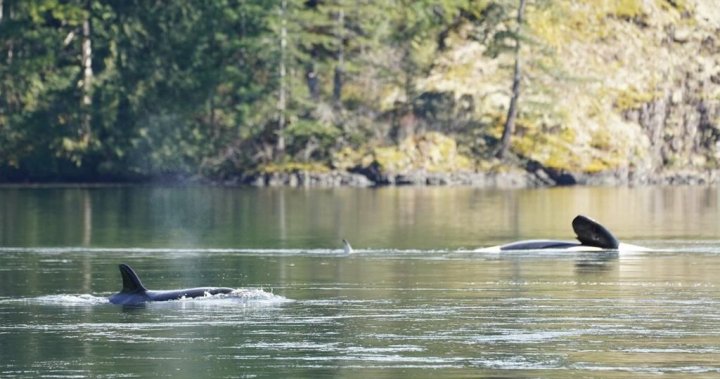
x=414 y=300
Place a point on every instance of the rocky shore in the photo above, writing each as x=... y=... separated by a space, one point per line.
x=537 y=178
x=433 y=159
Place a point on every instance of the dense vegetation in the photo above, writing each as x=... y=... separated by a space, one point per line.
x=137 y=89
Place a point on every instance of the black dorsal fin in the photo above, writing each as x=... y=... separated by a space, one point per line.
x=590 y=233
x=131 y=282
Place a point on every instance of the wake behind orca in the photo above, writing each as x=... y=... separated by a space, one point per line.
x=134 y=293
x=591 y=236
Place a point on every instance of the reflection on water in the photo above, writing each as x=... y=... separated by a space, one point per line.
x=423 y=218
x=414 y=300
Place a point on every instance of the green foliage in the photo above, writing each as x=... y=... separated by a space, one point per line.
x=169 y=85
x=38 y=82
x=184 y=88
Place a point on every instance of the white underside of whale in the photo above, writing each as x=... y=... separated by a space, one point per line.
x=623 y=247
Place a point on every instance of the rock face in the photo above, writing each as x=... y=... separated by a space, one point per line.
x=635 y=86
x=682 y=122
x=614 y=93
x=433 y=160
x=310 y=179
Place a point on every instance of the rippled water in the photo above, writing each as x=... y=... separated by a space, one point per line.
x=427 y=307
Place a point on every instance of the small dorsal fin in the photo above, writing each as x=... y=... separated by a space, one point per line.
x=131 y=282
x=346 y=247
x=590 y=233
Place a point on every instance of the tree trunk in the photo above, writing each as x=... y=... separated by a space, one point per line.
x=509 y=128
x=311 y=78
x=280 y=147
x=9 y=58
x=87 y=80
x=338 y=80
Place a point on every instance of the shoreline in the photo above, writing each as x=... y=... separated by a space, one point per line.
x=517 y=179
x=511 y=179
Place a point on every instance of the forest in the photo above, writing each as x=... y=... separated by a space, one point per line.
x=135 y=90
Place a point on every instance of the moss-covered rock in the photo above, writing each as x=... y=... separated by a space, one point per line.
x=432 y=152
x=293 y=167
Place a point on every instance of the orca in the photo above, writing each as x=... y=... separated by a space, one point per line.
x=134 y=293
x=590 y=234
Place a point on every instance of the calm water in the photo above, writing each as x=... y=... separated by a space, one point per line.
x=413 y=301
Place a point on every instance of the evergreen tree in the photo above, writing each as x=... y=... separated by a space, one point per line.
x=40 y=117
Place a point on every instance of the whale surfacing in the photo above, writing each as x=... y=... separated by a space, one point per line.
x=347 y=249
x=134 y=293
x=590 y=234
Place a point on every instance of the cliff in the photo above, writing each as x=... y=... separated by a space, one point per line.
x=629 y=87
